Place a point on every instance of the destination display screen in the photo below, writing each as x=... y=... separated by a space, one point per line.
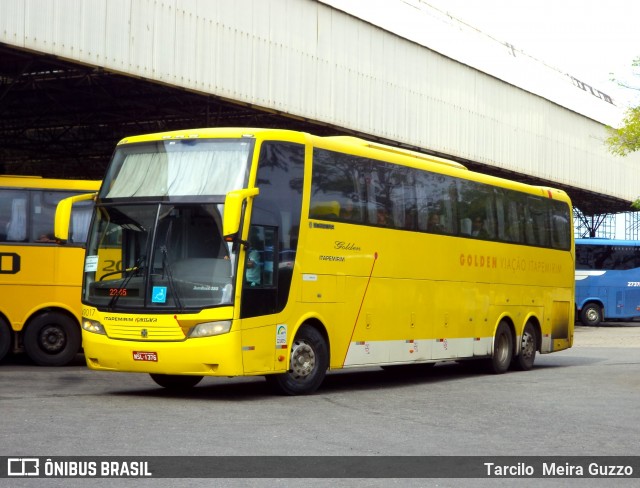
x=113 y=292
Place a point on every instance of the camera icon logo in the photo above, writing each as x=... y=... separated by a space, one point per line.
x=23 y=467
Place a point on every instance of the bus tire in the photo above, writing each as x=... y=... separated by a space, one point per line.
x=5 y=338
x=52 y=339
x=591 y=314
x=176 y=381
x=528 y=347
x=307 y=367
x=500 y=360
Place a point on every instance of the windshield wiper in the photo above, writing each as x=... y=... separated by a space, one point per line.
x=137 y=266
x=166 y=267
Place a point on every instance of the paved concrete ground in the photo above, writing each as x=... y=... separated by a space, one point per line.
x=608 y=334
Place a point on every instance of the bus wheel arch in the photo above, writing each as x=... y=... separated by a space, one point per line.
x=52 y=337
x=6 y=337
x=308 y=361
x=530 y=343
x=503 y=347
x=591 y=314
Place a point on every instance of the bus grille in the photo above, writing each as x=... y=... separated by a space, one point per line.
x=146 y=332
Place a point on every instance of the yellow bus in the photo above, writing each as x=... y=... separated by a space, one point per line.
x=279 y=253
x=39 y=278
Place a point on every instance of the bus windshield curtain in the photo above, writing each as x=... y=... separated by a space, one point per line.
x=180 y=173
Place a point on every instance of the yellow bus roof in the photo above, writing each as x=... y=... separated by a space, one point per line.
x=19 y=181
x=357 y=145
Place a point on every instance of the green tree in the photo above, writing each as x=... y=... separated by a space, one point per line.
x=626 y=139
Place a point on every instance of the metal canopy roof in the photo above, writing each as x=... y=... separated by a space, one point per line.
x=61 y=119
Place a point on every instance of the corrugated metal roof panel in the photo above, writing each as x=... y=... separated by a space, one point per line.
x=309 y=60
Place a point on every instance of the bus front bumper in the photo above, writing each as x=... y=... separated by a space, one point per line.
x=206 y=356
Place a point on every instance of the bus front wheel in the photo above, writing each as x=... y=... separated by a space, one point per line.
x=5 y=338
x=307 y=367
x=591 y=314
x=52 y=339
x=175 y=381
x=500 y=361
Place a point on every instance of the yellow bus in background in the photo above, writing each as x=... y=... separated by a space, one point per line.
x=39 y=278
x=278 y=253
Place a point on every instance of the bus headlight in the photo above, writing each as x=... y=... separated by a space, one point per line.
x=93 y=326
x=207 y=329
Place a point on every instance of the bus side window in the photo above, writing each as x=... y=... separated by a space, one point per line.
x=514 y=222
x=17 y=226
x=5 y=215
x=261 y=256
x=327 y=210
x=561 y=229
x=465 y=226
x=46 y=237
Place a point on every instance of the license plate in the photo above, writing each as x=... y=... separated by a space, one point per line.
x=145 y=356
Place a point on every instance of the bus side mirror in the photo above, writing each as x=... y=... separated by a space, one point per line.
x=233 y=203
x=63 y=215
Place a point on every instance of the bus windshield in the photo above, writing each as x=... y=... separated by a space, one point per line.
x=158 y=256
x=156 y=242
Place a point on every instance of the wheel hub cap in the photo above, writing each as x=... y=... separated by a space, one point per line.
x=303 y=360
x=51 y=339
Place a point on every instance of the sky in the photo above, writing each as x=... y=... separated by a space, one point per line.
x=592 y=40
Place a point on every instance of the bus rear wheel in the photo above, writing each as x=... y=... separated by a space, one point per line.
x=591 y=314
x=528 y=347
x=500 y=361
x=176 y=381
x=5 y=338
x=52 y=339
x=307 y=367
